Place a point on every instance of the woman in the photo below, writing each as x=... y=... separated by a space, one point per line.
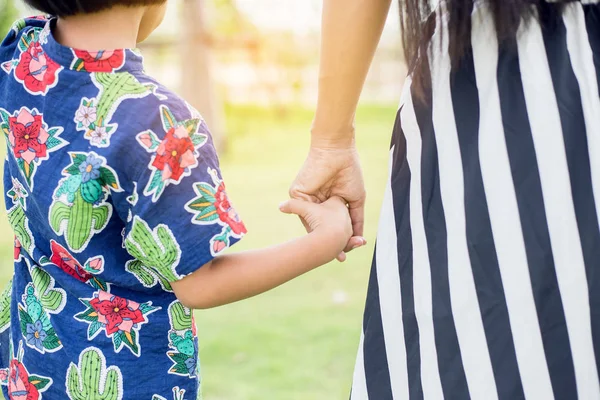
x=486 y=276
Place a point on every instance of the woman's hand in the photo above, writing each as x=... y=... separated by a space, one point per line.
x=350 y=32
x=334 y=170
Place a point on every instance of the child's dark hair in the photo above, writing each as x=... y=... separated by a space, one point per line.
x=65 y=8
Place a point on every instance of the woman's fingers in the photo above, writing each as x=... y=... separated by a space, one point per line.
x=357 y=214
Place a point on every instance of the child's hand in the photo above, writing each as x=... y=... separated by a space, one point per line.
x=330 y=219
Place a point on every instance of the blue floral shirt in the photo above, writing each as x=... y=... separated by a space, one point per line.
x=113 y=190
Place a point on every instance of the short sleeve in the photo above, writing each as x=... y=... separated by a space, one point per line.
x=179 y=215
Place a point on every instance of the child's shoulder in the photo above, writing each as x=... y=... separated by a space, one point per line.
x=156 y=108
x=162 y=103
x=20 y=28
x=155 y=120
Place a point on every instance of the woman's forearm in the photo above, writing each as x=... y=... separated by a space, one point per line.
x=351 y=30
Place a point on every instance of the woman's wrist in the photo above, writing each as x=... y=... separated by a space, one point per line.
x=327 y=131
x=328 y=138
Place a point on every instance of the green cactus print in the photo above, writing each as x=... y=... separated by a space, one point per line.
x=20 y=225
x=79 y=210
x=17 y=218
x=115 y=87
x=180 y=316
x=90 y=379
x=94 y=115
x=182 y=341
x=156 y=254
x=53 y=300
x=35 y=323
x=5 y=298
x=18 y=25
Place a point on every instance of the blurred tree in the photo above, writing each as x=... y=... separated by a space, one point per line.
x=276 y=57
x=227 y=23
x=8 y=14
x=210 y=25
x=198 y=86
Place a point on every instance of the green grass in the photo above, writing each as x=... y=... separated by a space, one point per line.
x=300 y=340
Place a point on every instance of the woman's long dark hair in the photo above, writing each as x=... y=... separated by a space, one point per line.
x=418 y=24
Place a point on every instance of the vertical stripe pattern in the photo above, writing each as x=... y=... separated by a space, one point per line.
x=463 y=293
x=497 y=289
x=432 y=386
x=446 y=332
x=394 y=319
x=374 y=352
x=359 y=382
x=486 y=278
x=539 y=84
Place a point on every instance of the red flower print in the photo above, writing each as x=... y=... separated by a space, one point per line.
x=27 y=136
x=17 y=249
x=116 y=313
x=38 y=17
x=37 y=71
x=174 y=154
x=65 y=261
x=19 y=387
x=226 y=212
x=100 y=61
x=194 y=328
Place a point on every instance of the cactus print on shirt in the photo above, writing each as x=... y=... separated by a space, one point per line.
x=113 y=190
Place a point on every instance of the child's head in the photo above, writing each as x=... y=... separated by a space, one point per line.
x=154 y=10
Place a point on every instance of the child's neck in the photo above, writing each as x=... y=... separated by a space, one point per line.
x=116 y=28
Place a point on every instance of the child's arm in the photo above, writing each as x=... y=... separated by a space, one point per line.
x=234 y=277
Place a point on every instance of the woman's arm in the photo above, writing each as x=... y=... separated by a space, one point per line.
x=351 y=30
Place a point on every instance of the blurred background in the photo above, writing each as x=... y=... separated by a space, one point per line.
x=251 y=68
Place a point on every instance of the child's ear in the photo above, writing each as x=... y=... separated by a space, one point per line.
x=152 y=18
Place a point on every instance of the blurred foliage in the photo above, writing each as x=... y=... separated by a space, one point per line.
x=278 y=58
x=230 y=29
x=8 y=14
x=227 y=22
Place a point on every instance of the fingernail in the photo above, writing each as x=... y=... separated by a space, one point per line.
x=281 y=205
x=362 y=243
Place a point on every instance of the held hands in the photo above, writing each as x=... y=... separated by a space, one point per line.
x=333 y=170
x=330 y=219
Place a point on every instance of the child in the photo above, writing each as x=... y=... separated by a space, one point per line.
x=120 y=214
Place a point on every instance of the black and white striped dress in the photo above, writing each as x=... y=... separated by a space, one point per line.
x=486 y=277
